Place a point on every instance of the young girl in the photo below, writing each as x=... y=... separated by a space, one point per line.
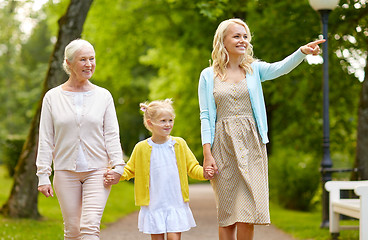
x=160 y=165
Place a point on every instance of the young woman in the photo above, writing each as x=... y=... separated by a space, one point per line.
x=234 y=127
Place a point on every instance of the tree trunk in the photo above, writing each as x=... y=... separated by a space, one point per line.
x=22 y=202
x=361 y=159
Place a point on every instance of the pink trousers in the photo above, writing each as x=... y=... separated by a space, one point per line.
x=82 y=198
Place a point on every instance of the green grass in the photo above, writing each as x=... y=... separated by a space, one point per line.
x=120 y=203
x=306 y=225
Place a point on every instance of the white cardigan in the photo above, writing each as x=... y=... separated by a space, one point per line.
x=60 y=134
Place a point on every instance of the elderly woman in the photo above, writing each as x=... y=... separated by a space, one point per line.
x=234 y=127
x=79 y=133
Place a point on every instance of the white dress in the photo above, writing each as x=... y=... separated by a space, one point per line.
x=167 y=211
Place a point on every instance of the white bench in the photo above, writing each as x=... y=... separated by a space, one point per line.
x=356 y=208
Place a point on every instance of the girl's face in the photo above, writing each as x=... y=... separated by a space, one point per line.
x=83 y=64
x=236 y=40
x=162 y=125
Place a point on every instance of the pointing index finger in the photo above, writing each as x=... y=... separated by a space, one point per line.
x=314 y=43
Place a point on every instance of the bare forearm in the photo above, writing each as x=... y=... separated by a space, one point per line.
x=207 y=150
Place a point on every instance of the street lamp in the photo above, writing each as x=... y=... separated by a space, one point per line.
x=324 y=7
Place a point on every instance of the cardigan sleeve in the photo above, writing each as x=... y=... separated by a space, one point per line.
x=193 y=168
x=268 y=71
x=45 y=143
x=111 y=134
x=204 y=108
x=129 y=169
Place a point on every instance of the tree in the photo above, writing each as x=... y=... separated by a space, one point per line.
x=23 y=199
x=361 y=160
x=352 y=29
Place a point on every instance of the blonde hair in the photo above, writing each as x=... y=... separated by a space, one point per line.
x=152 y=110
x=70 y=51
x=220 y=56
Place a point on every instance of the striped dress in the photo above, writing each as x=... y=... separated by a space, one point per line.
x=241 y=187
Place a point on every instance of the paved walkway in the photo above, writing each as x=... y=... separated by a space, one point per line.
x=203 y=206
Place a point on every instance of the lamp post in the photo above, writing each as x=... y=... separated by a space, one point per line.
x=324 y=7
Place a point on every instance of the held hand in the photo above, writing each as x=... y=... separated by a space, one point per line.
x=209 y=162
x=46 y=190
x=111 y=177
x=208 y=173
x=312 y=47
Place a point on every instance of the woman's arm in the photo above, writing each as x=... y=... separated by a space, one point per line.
x=111 y=134
x=45 y=144
x=274 y=70
x=204 y=109
x=208 y=160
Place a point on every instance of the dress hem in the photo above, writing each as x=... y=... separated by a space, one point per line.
x=263 y=224
x=167 y=231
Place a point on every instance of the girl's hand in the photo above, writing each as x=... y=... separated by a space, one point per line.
x=208 y=173
x=312 y=47
x=111 y=177
x=209 y=161
x=46 y=190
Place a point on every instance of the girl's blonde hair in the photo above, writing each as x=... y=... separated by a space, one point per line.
x=152 y=110
x=70 y=51
x=220 y=56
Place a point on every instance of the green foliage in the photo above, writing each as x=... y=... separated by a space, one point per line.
x=213 y=9
x=294 y=178
x=9 y=40
x=23 y=65
x=11 y=150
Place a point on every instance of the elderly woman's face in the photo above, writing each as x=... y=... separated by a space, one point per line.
x=83 y=64
x=236 y=40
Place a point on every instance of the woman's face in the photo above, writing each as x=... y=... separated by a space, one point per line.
x=236 y=40
x=83 y=64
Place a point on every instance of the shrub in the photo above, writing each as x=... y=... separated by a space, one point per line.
x=294 y=178
x=12 y=148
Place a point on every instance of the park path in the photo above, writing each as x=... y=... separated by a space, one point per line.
x=202 y=204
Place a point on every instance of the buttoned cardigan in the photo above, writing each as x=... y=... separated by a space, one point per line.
x=262 y=71
x=138 y=167
x=60 y=134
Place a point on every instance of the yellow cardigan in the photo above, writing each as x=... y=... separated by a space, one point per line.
x=138 y=167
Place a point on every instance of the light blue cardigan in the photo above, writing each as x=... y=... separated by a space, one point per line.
x=262 y=71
